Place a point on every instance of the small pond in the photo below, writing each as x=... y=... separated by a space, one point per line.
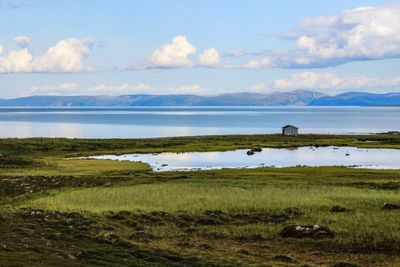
x=268 y=157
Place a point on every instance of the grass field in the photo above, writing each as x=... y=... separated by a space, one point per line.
x=70 y=212
x=366 y=224
x=196 y=198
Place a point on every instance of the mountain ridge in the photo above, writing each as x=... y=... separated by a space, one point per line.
x=292 y=98
x=355 y=98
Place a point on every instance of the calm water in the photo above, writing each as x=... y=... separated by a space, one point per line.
x=309 y=156
x=185 y=121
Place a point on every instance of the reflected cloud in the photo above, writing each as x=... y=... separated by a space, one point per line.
x=307 y=156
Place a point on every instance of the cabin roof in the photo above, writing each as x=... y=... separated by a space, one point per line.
x=289 y=126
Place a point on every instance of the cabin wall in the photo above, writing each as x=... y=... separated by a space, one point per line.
x=290 y=131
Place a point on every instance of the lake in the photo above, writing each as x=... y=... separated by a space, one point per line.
x=141 y=122
x=268 y=157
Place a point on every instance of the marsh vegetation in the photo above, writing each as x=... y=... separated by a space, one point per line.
x=69 y=212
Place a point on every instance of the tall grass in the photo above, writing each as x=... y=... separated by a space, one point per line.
x=365 y=226
x=197 y=198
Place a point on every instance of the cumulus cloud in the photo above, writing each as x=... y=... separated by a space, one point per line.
x=66 y=56
x=329 y=81
x=16 y=61
x=364 y=33
x=22 y=41
x=209 y=58
x=173 y=55
x=359 y=34
x=264 y=62
x=176 y=54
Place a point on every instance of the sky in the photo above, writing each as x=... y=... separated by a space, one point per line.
x=99 y=47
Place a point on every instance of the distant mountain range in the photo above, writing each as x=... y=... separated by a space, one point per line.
x=294 y=98
x=358 y=99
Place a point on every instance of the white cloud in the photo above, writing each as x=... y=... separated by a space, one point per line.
x=142 y=88
x=189 y=89
x=117 y=89
x=59 y=89
x=124 y=88
x=22 y=41
x=173 y=55
x=1 y=49
x=177 y=55
x=361 y=33
x=66 y=56
x=364 y=33
x=209 y=58
x=329 y=81
x=16 y=61
x=264 y=62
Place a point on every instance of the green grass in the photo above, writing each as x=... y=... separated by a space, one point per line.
x=39 y=173
x=46 y=156
x=365 y=226
x=62 y=147
x=197 y=198
x=50 y=166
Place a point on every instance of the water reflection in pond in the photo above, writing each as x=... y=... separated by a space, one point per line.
x=268 y=157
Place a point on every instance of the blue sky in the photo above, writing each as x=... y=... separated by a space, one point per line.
x=73 y=47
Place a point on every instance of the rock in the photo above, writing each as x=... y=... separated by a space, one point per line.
x=391 y=206
x=250 y=153
x=71 y=257
x=338 y=209
x=299 y=231
x=257 y=149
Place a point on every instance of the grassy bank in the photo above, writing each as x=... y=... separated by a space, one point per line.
x=61 y=146
x=70 y=212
